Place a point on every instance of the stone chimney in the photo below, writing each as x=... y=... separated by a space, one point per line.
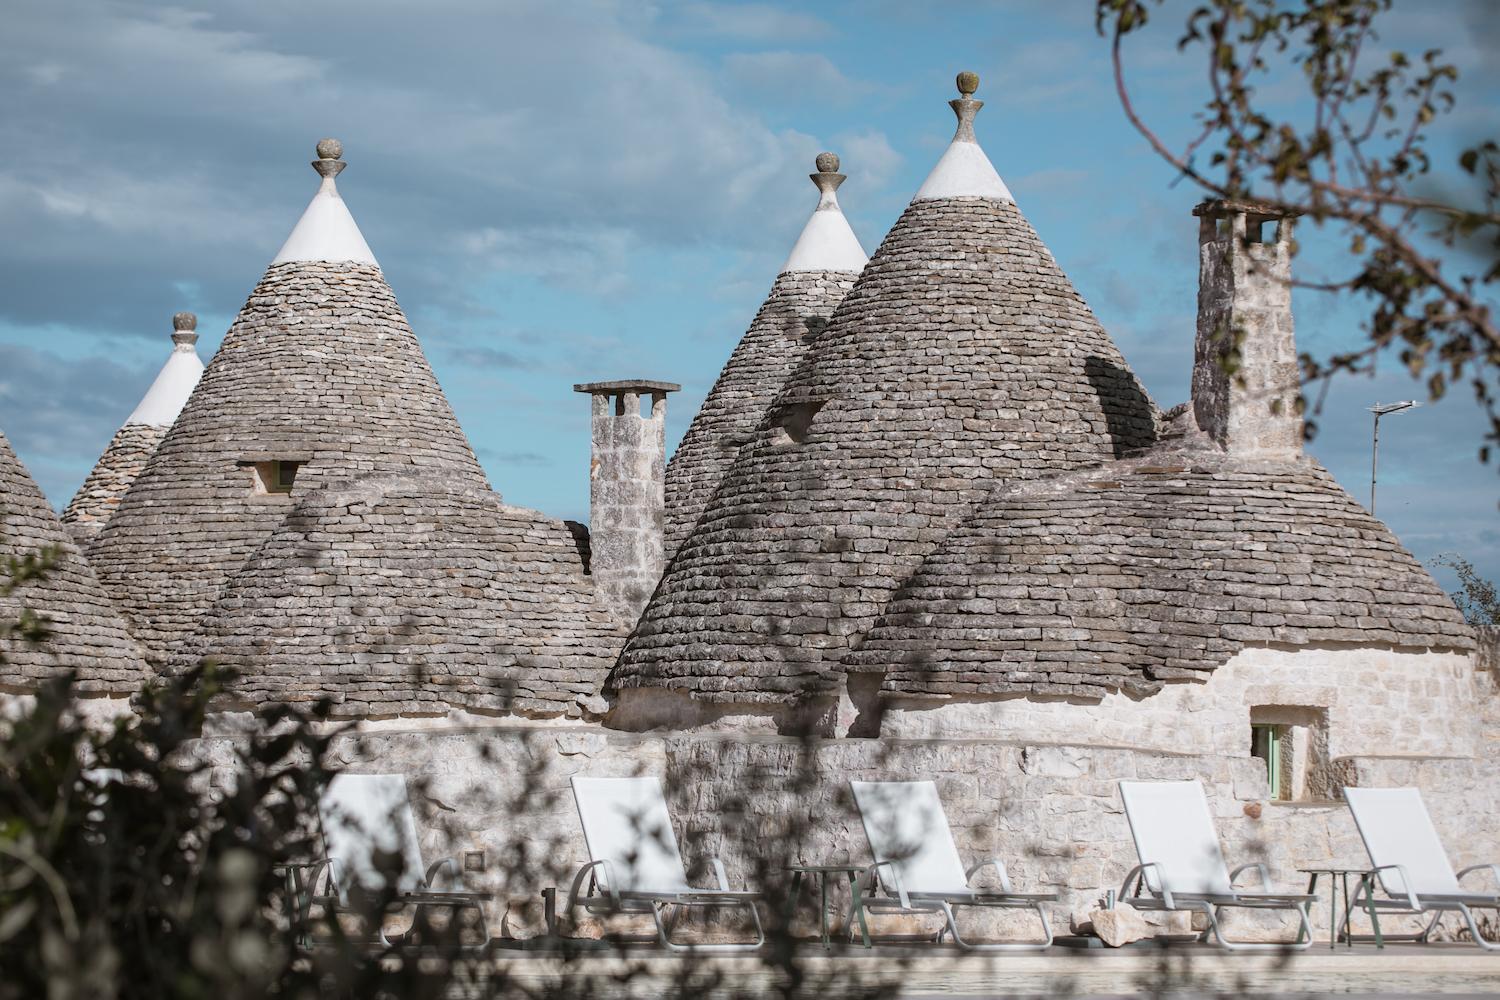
x=1246 y=381
x=627 y=501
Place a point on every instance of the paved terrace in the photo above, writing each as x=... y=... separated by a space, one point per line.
x=920 y=972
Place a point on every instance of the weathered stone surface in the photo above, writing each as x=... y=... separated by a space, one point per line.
x=413 y=595
x=106 y=485
x=627 y=501
x=962 y=355
x=1148 y=570
x=1487 y=651
x=87 y=634
x=320 y=367
x=1120 y=926
x=1372 y=701
x=795 y=312
x=760 y=801
x=1246 y=378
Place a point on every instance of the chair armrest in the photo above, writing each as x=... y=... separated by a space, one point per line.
x=610 y=885
x=1493 y=869
x=873 y=874
x=1260 y=866
x=337 y=873
x=438 y=866
x=719 y=873
x=1411 y=897
x=999 y=867
x=302 y=880
x=1138 y=875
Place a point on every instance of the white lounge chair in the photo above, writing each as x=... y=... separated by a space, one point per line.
x=1182 y=867
x=635 y=865
x=918 y=867
x=1409 y=861
x=367 y=819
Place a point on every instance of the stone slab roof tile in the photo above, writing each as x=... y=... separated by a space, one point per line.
x=795 y=311
x=410 y=594
x=320 y=367
x=1177 y=565
x=87 y=633
x=127 y=452
x=111 y=477
x=961 y=355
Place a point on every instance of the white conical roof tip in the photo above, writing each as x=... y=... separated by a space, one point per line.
x=827 y=243
x=326 y=231
x=177 y=378
x=964 y=171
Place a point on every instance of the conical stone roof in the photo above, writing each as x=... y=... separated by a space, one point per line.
x=87 y=635
x=320 y=369
x=817 y=275
x=136 y=440
x=413 y=594
x=1149 y=570
x=963 y=355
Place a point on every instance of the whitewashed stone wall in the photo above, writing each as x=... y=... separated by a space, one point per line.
x=1385 y=702
x=1049 y=808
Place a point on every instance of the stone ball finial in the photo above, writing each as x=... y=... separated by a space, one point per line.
x=968 y=83
x=827 y=163
x=330 y=149
x=185 y=321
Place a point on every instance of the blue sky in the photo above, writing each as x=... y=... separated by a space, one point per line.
x=571 y=192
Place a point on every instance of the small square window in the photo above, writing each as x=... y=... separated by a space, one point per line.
x=273 y=477
x=1268 y=743
x=1291 y=742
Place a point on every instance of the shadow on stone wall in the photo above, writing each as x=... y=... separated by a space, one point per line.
x=1128 y=412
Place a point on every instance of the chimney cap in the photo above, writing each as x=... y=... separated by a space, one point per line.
x=1216 y=207
x=626 y=385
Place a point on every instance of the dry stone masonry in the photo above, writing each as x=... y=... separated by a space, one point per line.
x=413 y=595
x=817 y=275
x=316 y=517
x=126 y=455
x=87 y=633
x=627 y=502
x=962 y=355
x=107 y=482
x=1149 y=570
x=793 y=314
x=1246 y=380
x=319 y=369
x=949 y=521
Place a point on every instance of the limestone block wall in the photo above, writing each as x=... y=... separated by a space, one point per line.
x=1050 y=809
x=1385 y=702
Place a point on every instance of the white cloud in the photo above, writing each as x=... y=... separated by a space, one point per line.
x=595 y=261
x=868 y=158
x=747 y=22
x=791 y=76
x=181 y=130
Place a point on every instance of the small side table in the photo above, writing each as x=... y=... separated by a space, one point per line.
x=1339 y=881
x=822 y=873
